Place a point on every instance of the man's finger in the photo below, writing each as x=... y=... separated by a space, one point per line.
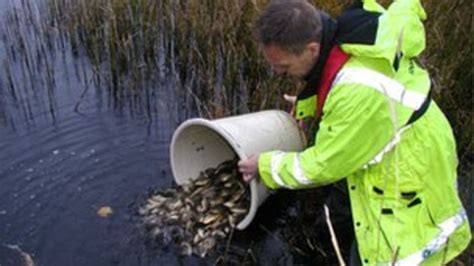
x=241 y=165
x=301 y=123
x=247 y=177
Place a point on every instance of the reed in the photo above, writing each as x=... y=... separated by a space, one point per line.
x=449 y=58
x=206 y=45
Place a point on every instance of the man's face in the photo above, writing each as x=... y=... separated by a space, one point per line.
x=287 y=63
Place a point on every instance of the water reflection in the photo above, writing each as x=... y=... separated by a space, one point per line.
x=70 y=144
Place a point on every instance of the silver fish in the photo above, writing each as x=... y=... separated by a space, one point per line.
x=195 y=216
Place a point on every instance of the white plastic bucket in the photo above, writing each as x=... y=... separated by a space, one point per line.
x=198 y=144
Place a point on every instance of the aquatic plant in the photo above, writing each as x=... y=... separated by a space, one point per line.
x=206 y=45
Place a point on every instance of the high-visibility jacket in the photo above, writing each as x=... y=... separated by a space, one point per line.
x=401 y=174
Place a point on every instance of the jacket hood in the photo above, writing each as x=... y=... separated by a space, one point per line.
x=366 y=29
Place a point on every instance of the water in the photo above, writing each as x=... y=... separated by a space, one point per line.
x=68 y=147
x=62 y=161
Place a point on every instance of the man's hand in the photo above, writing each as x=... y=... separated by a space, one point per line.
x=249 y=167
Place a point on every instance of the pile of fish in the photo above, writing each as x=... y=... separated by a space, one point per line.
x=195 y=216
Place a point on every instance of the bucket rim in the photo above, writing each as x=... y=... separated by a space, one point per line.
x=235 y=147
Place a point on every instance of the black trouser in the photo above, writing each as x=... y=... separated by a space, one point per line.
x=354 y=257
x=338 y=202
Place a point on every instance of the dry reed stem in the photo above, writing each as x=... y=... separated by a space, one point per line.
x=333 y=237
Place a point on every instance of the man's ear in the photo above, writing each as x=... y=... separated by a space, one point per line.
x=313 y=48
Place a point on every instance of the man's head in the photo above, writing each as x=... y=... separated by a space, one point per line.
x=290 y=33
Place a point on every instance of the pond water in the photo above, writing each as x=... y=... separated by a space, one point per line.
x=69 y=147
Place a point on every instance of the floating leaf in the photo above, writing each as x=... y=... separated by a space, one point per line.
x=105 y=211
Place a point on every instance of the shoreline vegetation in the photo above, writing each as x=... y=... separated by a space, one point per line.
x=207 y=47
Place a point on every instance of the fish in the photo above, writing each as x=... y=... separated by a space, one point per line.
x=195 y=216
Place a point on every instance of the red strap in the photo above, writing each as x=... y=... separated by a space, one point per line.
x=336 y=59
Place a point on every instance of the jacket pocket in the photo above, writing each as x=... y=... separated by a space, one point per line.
x=406 y=225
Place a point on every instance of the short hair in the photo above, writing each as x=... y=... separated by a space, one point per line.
x=290 y=24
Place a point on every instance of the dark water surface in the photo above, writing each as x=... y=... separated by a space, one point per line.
x=69 y=147
x=59 y=166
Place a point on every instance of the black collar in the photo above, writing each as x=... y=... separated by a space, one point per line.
x=327 y=42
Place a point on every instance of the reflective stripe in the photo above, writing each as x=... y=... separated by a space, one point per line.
x=298 y=171
x=276 y=160
x=396 y=139
x=390 y=87
x=447 y=229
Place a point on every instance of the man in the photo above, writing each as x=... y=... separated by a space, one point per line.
x=378 y=127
